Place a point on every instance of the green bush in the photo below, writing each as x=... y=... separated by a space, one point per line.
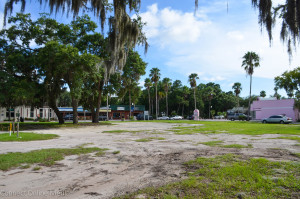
x=43 y=120
x=242 y=117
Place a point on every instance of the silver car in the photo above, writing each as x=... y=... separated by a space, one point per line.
x=163 y=118
x=278 y=119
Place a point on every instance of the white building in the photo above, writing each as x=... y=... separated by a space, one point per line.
x=27 y=112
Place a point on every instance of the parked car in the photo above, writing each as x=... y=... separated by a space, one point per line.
x=68 y=117
x=176 y=117
x=191 y=117
x=278 y=119
x=238 y=116
x=141 y=117
x=102 y=118
x=163 y=118
x=219 y=117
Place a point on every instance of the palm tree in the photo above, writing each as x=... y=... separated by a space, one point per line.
x=237 y=87
x=262 y=94
x=167 y=85
x=250 y=61
x=193 y=83
x=148 y=85
x=276 y=93
x=155 y=76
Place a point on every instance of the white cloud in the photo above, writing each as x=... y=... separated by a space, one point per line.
x=214 y=47
x=235 y=35
x=1 y=20
x=167 y=26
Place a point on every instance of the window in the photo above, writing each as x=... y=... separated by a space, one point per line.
x=31 y=112
x=41 y=113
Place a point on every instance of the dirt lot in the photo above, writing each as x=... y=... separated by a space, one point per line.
x=137 y=165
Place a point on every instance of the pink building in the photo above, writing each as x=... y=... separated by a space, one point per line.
x=264 y=108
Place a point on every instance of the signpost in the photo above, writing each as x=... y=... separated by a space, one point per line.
x=146 y=113
x=10 y=127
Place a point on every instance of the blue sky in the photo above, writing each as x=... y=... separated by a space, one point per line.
x=210 y=43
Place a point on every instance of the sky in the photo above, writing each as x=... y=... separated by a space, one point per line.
x=210 y=43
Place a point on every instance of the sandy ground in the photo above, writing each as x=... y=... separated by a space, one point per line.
x=139 y=164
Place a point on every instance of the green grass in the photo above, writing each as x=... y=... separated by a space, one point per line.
x=230 y=176
x=237 y=146
x=247 y=128
x=297 y=155
x=219 y=144
x=116 y=152
x=46 y=157
x=50 y=125
x=149 y=139
x=289 y=138
x=212 y=143
x=24 y=137
x=36 y=168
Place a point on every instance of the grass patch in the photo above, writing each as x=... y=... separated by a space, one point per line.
x=229 y=176
x=116 y=152
x=212 y=143
x=289 y=138
x=51 y=125
x=46 y=157
x=36 y=168
x=247 y=128
x=149 y=139
x=24 y=137
x=237 y=146
x=297 y=154
x=219 y=144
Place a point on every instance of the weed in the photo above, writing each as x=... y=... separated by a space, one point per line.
x=24 y=137
x=290 y=138
x=36 y=168
x=238 y=146
x=228 y=176
x=297 y=154
x=248 y=128
x=116 y=152
x=45 y=157
x=212 y=143
x=26 y=166
x=51 y=125
x=149 y=139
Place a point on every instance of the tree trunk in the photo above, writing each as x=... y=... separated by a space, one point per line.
x=156 y=100
x=75 y=113
x=100 y=88
x=167 y=112
x=149 y=102
x=59 y=115
x=249 y=97
x=129 y=103
x=93 y=113
x=182 y=110
x=157 y=108
x=195 y=98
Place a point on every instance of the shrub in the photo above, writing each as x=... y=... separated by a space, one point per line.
x=242 y=117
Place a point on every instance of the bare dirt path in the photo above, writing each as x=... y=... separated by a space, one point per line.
x=137 y=165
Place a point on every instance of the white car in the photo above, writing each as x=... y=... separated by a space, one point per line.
x=163 y=118
x=277 y=119
x=176 y=117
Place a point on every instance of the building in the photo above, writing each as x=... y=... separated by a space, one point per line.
x=265 y=107
x=122 y=111
x=27 y=112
